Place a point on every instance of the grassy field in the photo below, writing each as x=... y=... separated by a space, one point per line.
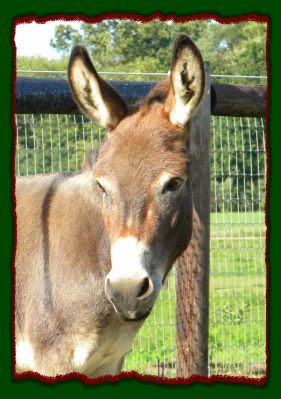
x=237 y=305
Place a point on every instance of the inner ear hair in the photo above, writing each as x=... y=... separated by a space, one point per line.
x=94 y=96
x=187 y=81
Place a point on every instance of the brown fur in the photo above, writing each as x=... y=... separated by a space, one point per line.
x=66 y=225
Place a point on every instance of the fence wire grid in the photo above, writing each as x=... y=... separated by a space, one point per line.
x=237 y=303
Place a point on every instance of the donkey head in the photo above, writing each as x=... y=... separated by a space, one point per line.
x=142 y=174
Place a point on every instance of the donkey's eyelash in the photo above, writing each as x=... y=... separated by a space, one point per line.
x=104 y=185
x=103 y=190
x=173 y=185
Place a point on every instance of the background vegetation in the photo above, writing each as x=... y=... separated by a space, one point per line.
x=126 y=45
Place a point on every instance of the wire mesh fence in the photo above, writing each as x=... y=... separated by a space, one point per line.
x=238 y=275
x=55 y=143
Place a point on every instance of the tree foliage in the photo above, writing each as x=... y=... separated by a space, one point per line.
x=230 y=48
x=39 y=63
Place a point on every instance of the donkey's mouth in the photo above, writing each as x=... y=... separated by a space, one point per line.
x=134 y=316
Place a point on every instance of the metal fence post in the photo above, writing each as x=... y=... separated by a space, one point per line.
x=192 y=276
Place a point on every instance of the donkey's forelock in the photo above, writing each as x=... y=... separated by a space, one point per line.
x=157 y=94
x=146 y=133
x=145 y=140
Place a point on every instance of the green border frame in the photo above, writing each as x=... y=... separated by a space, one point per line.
x=75 y=388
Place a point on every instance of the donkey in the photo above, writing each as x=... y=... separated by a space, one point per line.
x=95 y=247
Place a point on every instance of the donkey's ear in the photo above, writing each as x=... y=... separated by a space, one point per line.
x=96 y=98
x=187 y=81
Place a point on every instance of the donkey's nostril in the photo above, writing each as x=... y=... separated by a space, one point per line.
x=144 y=287
x=121 y=289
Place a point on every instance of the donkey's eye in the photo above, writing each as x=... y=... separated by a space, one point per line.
x=100 y=187
x=173 y=185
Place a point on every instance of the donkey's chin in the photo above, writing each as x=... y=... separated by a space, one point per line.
x=133 y=315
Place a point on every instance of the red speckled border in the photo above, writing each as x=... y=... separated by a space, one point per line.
x=133 y=374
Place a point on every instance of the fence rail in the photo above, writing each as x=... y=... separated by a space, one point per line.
x=52 y=95
x=49 y=143
x=120 y=73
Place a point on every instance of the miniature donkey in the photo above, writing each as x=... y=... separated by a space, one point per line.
x=94 y=247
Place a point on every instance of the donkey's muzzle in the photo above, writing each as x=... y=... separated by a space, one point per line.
x=136 y=316
x=131 y=298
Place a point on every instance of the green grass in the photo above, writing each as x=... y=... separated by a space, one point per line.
x=237 y=305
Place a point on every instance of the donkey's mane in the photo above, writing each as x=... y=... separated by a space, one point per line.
x=91 y=157
x=158 y=94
